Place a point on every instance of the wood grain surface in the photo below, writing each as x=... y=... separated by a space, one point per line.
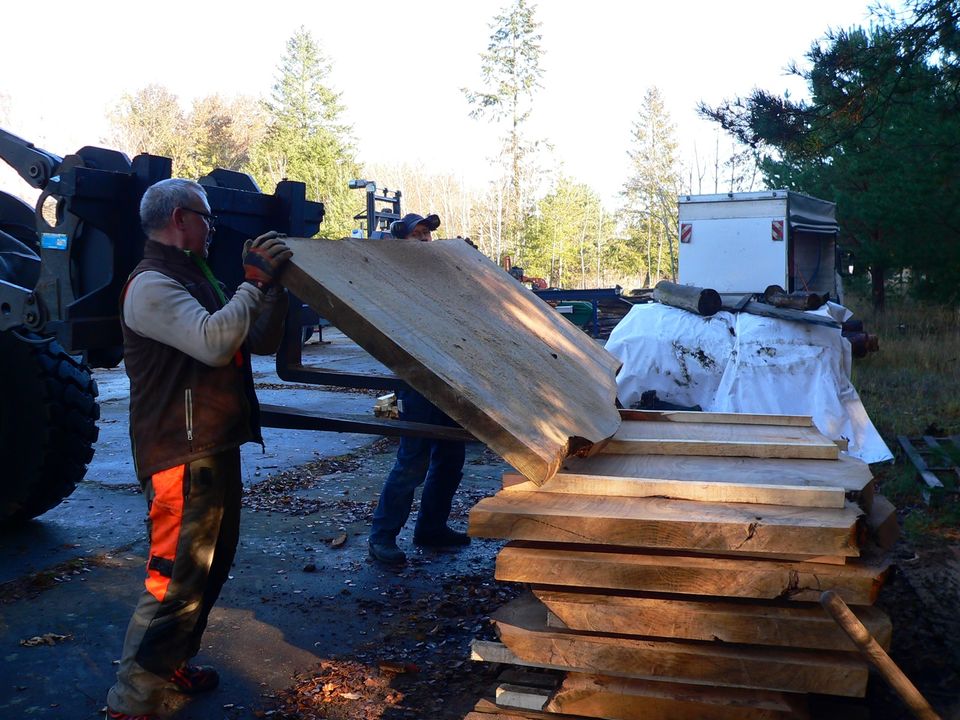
x=664 y=523
x=785 y=624
x=522 y=628
x=470 y=338
x=661 y=437
x=857 y=582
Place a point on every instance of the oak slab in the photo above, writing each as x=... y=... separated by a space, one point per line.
x=521 y=625
x=664 y=523
x=613 y=698
x=715 y=439
x=463 y=333
x=488 y=709
x=857 y=583
x=689 y=416
x=796 y=625
x=811 y=483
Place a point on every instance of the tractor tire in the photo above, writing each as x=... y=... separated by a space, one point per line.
x=48 y=424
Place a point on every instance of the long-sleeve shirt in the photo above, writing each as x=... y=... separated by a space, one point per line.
x=160 y=308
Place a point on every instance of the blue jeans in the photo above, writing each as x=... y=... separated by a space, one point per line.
x=436 y=464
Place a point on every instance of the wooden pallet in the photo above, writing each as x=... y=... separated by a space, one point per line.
x=936 y=462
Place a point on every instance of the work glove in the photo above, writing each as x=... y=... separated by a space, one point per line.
x=263 y=258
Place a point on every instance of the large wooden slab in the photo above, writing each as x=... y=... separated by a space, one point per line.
x=856 y=583
x=664 y=523
x=810 y=483
x=617 y=698
x=470 y=338
x=613 y=698
x=719 y=439
x=797 y=625
x=522 y=628
x=689 y=416
x=487 y=709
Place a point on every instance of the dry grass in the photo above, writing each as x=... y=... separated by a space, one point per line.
x=911 y=387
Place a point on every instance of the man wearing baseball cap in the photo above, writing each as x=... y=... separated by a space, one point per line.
x=415 y=227
x=435 y=464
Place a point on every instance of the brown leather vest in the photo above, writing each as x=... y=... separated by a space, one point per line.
x=180 y=408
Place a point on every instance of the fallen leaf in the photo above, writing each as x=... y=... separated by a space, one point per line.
x=339 y=541
x=45 y=639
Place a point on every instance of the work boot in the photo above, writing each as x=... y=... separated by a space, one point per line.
x=387 y=554
x=114 y=715
x=193 y=679
x=445 y=537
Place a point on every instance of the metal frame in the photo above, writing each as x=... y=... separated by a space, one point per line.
x=96 y=241
x=377 y=220
x=594 y=296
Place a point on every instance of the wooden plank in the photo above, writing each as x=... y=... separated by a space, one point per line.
x=456 y=328
x=665 y=523
x=793 y=625
x=620 y=475
x=487 y=709
x=615 y=698
x=522 y=628
x=856 y=583
x=712 y=491
x=796 y=496
x=524 y=698
x=689 y=416
x=763 y=441
x=496 y=652
x=851 y=474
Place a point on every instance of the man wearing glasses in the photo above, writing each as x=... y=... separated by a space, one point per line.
x=192 y=405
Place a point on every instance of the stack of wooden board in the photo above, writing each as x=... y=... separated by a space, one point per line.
x=676 y=573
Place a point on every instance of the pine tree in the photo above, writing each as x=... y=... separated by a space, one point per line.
x=510 y=71
x=650 y=194
x=306 y=139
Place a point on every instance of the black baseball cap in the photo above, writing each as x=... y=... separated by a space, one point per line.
x=404 y=226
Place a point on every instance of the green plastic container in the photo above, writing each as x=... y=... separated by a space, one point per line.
x=579 y=312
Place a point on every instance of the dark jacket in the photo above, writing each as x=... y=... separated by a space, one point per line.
x=180 y=408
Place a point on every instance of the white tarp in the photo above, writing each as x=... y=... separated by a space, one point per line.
x=737 y=362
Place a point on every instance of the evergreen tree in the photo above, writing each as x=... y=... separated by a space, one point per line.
x=880 y=137
x=510 y=71
x=305 y=138
x=650 y=193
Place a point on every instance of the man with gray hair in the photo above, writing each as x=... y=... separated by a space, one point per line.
x=192 y=405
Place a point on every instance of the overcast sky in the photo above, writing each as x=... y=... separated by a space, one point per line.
x=401 y=65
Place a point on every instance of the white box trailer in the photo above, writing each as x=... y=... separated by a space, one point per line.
x=744 y=242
